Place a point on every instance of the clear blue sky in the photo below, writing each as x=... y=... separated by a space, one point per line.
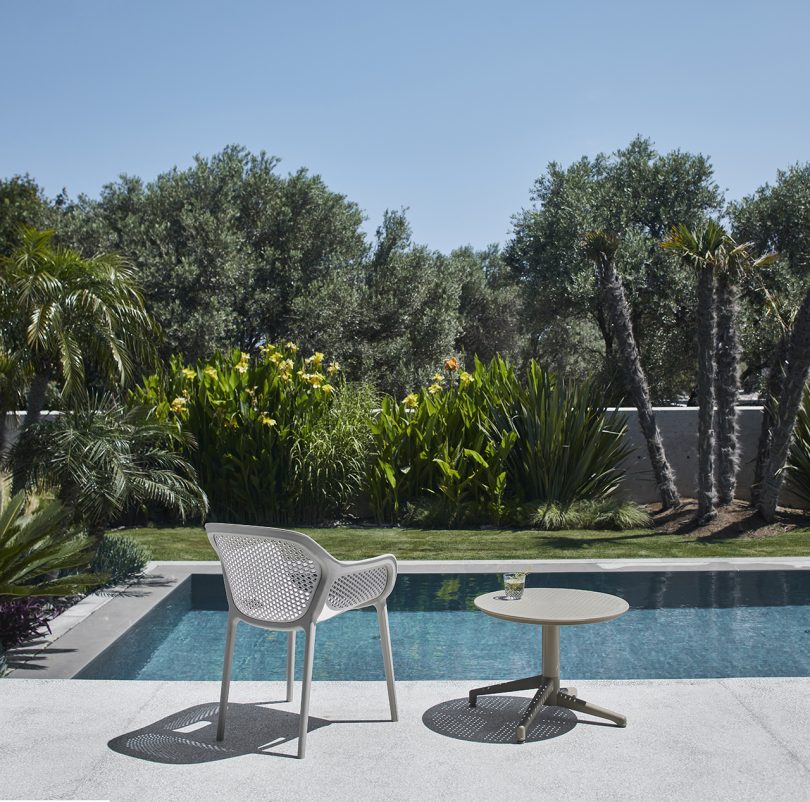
x=449 y=108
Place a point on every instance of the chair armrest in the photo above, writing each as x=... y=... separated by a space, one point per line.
x=361 y=583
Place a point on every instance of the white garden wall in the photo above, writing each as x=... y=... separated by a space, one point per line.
x=678 y=427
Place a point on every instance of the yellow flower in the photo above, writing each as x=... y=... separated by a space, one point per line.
x=434 y=388
x=268 y=348
x=410 y=401
x=464 y=378
x=210 y=372
x=327 y=388
x=315 y=379
x=242 y=364
x=178 y=405
x=267 y=421
x=315 y=359
x=291 y=346
x=437 y=377
x=275 y=358
x=285 y=364
x=230 y=423
x=189 y=373
x=333 y=368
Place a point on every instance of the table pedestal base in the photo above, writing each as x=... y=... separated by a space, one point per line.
x=548 y=687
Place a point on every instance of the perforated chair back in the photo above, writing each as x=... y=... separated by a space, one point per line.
x=270 y=579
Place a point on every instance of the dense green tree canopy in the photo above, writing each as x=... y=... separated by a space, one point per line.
x=222 y=248
x=22 y=203
x=774 y=218
x=636 y=194
x=390 y=319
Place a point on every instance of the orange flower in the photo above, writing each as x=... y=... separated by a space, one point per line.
x=451 y=364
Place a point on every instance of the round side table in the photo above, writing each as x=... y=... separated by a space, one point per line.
x=550 y=608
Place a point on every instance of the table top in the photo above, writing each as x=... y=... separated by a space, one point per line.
x=561 y=606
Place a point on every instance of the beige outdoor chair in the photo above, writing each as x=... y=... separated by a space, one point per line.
x=282 y=580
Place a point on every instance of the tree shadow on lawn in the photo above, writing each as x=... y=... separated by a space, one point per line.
x=562 y=543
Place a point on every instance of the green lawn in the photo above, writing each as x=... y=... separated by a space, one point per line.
x=190 y=543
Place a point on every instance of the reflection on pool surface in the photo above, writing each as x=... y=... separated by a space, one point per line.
x=681 y=624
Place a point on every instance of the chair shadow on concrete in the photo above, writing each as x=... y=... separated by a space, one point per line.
x=189 y=736
x=494 y=720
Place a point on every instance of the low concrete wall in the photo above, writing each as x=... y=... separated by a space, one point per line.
x=678 y=426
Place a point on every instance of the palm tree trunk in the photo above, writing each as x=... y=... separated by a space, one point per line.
x=33 y=412
x=773 y=391
x=726 y=387
x=707 y=331
x=36 y=398
x=790 y=399
x=616 y=303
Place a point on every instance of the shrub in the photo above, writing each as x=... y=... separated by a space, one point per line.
x=480 y=442
x=21 y=619
x=40 y=552
x=279 y=437
x=121 y=558
x=606 y=514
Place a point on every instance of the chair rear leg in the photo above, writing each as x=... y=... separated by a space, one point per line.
x=290 y=664
x=388 y=659
x=230 y=640
x=306 y=687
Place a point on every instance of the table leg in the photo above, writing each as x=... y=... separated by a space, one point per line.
x=551 y=659
x=573 y=703
x=548 y=689
x=506 y=687
x=535 y=706
x=567 y=697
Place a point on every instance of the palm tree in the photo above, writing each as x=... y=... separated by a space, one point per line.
x=734 y=262
x=103 y=459
x=703 y=250
x=720 y=262
x=790 y=399
x=64 y=312
x=600 y=248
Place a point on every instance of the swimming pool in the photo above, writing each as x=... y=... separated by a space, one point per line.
x=680 y=625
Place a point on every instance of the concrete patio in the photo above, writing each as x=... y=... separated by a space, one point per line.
x=731 y=739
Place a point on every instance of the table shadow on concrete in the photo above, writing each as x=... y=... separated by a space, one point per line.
x=189 y=736
x=494 y=720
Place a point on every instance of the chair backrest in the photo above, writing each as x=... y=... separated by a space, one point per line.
x=271 y=575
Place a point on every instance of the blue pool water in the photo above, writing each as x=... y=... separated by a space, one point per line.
x=681 y=624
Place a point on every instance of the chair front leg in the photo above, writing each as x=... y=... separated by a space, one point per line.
x=230 y=640
x=388 y=658
x=290 y=664
x=306 y=687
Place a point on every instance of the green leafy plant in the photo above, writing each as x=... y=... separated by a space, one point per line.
x=604 y=514
x=39 y=551
x=103 y=459
x=280 y=437
x=481 y=441
x=121 y=558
